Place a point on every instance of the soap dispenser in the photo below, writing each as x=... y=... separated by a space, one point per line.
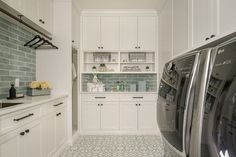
x=12 y=92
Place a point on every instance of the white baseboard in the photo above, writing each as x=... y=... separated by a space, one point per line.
x=152 y=132
x=61 y=149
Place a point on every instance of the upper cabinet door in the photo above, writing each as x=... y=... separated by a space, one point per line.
x=45 y=13
x=227 y=16
x=28 y=8
x=91 y=33
x=110 y=33
x=203 y=21
x=147 y=33
x=128 y=33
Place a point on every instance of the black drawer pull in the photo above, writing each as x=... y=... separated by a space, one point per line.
x=58 y=104
x=58 y=114
x=100 y=97
x=138 y=97
x=19 y=119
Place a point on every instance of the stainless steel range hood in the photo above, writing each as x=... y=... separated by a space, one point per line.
x=14 y=16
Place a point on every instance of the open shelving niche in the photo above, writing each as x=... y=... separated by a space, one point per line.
x=116 y=61
x=119 y=62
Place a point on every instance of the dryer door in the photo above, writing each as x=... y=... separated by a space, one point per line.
x=219 y=117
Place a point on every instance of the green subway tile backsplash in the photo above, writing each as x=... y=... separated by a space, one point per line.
x=16 y=61
x=110 y=80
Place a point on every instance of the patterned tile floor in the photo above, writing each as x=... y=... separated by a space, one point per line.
x=115 y=146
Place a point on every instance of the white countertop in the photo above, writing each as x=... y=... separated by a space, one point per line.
x=28 y=101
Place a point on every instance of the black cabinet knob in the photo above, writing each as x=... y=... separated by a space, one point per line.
x=58 y=114
x=101 y=104
x=27 y=131
x=22 y=133
x=136 y=47
x=98 y=104
x=139 y=47
x=207 y=38
x=139 y=104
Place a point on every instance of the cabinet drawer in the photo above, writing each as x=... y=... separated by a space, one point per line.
x=18 y=118
x=138 y=97
x=52 y=106
x=100 y=97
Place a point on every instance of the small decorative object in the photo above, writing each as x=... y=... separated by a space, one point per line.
x=12 y=92
x=39 y=88
x=102 y=57
x=147 y=68
x=96 y=85
x=102 y=68
x=131 y=69
x=94 y=68
x=137 y=57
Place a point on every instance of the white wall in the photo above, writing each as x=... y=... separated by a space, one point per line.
x=55 y=65
x=165 y=35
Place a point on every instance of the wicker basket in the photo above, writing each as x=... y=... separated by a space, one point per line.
x=38 y=92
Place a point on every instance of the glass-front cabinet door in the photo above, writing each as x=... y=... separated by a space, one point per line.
x=219 y=119
x=174 y=86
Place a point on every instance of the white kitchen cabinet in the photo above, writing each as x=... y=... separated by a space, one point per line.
x=128 y=116
x=23 y=142
x=110 y=116
x=147 y=116
x=29 y=9
x=45 y=13
x=138 y=33
x=91 y=33
x=48 y=135
x=110 y=33
x=227 y=16
x=147 y=33
x=138 y=116
x=90 y=116
x=101 y=33
x=100 y=115
x=8 y=143
x=128 y=33
x=203 y=21
x=61 y=127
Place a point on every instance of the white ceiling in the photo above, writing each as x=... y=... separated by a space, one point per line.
x=118 y=4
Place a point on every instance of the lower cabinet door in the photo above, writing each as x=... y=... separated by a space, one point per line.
x=31 y=141
x=48 y=135
x=128 y=116
x=23 y=142
x=61 y=127
x=90 y=116
x=147 y=116
x=110 y=115
x=9 y=145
